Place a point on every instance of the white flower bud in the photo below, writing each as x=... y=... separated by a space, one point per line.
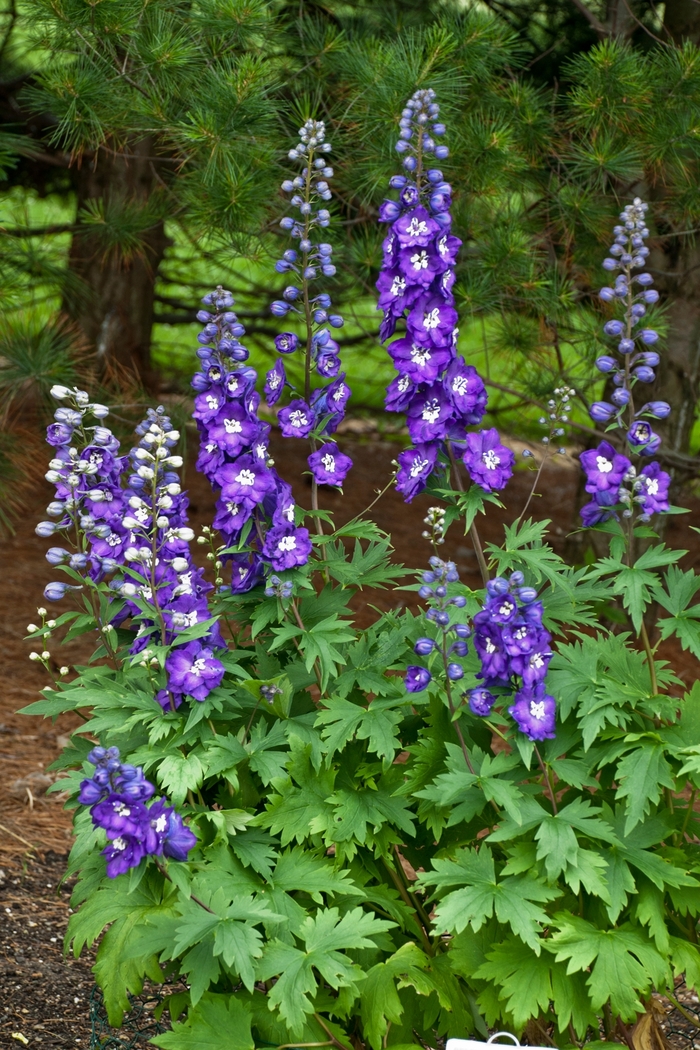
x=64 y=670
x=45 y=655
x=60 y=393
x=173 y=489
x=128 y=589
x=34 y=656
x=31 y=628
x=52 y=476
x=131 y=523
x=143 y=454
x=185 y=533
x=173 y=461
x=162 y=522
x=173 y=435
x=51 y=623
x=41 y=611
x=146 y=473
x=99 y=411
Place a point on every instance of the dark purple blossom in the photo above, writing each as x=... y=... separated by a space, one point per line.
x=490 y=464
x=275 y=381
x=296 y=419
x=417 y=679
x=534 y=711
x=653 y=483
x=605 y=468
x=329 y=465
x=286 y=547
x=193 y=670
x=415 y=467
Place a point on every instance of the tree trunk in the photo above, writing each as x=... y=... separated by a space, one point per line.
x=115 y=315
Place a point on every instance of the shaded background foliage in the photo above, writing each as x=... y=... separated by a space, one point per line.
x=142 y=146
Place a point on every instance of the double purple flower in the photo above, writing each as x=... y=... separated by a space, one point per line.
x=440 y=394
x=117 y=794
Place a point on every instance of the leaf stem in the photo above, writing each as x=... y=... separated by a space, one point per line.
x=547 y=780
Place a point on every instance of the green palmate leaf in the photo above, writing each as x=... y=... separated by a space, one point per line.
x=380 y=1002
x=179 y=774
x=523 y=979
x=642 y=774
x=217 y=1022
x=636 y=584
x=624 y=963
x=377 y=723
x=675 y=598
x=482 y=895
x=298 y=869
x=524 y=548
x=325 y=936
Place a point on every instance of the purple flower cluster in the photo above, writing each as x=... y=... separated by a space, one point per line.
x=434 y=589
x=137 y=527
x=117 y=794
x=254 y=505
x=513 y=647
x=321 y=410
x=610 y=476
x=86 y=469
x=440 y=394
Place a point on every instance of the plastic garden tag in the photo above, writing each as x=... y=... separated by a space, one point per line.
x=473 y=1044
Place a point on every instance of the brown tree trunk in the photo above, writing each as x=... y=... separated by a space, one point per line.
x=115 y=315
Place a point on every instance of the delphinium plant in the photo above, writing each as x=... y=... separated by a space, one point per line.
x=475 y=813
x=313 y=412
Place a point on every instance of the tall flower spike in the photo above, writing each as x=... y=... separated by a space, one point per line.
x=322 y=407
x=234 y=454
x=441 y=394
x=611 y=477
x=86 y=469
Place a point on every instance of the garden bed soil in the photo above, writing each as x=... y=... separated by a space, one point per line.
x=45 y=1000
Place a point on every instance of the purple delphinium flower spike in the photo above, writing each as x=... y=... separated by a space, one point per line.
x=628 y=363
x=116 y=794
x=233 y=445
x=311 y=261
x=439 y=392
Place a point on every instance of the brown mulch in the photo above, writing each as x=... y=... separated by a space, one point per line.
x=45 y=999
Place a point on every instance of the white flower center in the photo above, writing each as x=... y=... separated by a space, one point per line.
x=340 y=393
x=212 y=402
x=289 y=513
x=418 y=467
x=420 y=260
x=459 y=385
x=442 y=245
x=416 y=227
x=419 y=355
x=490 y=459
x=232 y=426
x=246 y=477
x=184 y=619
x=274 y=380
x=329 y=463
x=536 y=661
x=297 y=418
x=232 y=386
x=121 y=810
x=537 y=709
x=119 y=843
x=398 y=286
x=160 y=824
x=652 y=486
x=404 y=383
x=432 y=320
x=520 y=633
x=604 y=465
x=431 y=411
x=506 y=608
x=287 y=543
x=232 y=507
x=197 y=667
x=490 y=647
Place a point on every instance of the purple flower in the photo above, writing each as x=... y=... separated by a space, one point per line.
x=605 y=468
x=246 y=572
x=417 y=679
x=296 y=419
x=420 y=265
x=465 y=389
x=415 y=467
x=481 y=702
x=274 y=383
x=246 y=479
x=118 y=815
x=534 y=711
x=423 y=363
x=432 y=319
x=329 y=465
x=286 y=342
x=653 y=486
x=231 y=515
x=177 y=839
x=429 y=415
x=490 y=464
x=416 y=228
x=123 y=853
x=232 y=429
x=193 y=670
x=489 y=646
x=643 y=439
x=286 y=547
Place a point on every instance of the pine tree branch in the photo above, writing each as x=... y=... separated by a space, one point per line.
x=37 y=231
x=592 y=19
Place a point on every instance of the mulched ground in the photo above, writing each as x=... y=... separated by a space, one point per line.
x=45 y=999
